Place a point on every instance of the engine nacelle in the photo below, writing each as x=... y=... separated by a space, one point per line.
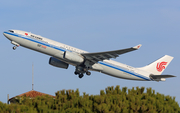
x=57 y=63
x=73 y=57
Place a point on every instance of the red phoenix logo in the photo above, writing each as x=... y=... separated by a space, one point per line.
x=161 y=66
x=26 y=33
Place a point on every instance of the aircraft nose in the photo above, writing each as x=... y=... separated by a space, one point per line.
x=4 y=34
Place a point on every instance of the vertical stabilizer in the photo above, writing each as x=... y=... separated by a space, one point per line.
x=157 y=67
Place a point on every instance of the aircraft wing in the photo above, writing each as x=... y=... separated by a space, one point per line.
x=100 y=56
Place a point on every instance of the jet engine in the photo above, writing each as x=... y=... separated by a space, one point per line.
x=73 y=57
x=57 y=63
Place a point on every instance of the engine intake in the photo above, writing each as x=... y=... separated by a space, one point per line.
x=57 y=63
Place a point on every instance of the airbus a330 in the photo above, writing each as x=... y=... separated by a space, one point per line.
x=63 y=55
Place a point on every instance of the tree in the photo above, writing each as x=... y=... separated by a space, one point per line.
x=110 y=100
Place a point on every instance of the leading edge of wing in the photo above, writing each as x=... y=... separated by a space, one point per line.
x=118 y=51
x=100 y=56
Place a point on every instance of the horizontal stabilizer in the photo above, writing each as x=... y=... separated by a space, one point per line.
x=160 y=77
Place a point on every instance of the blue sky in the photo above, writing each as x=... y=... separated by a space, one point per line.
x=93 y=26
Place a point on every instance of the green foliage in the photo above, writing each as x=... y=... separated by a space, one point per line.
x=112 y=100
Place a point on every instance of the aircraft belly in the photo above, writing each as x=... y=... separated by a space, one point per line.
x=120 y=74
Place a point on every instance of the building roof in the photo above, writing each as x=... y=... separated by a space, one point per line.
x=32 y=94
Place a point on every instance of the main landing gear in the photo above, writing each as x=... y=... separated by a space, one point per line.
x=80 y=71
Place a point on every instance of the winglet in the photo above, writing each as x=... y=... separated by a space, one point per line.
x=137 y=47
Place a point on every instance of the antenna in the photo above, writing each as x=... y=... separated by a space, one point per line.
x=32 y=76
x=8 y=99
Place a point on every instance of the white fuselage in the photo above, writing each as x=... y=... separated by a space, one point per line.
x=56 y=49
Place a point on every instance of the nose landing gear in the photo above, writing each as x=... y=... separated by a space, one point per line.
x=14 y=48
x=16 y=45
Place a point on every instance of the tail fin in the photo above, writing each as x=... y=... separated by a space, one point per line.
x=157 y=67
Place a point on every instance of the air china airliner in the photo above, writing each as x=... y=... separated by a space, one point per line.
x=62 y=55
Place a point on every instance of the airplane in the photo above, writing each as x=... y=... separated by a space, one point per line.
x=63 y=55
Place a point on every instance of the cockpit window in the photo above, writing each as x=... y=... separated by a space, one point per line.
x=11 y=31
